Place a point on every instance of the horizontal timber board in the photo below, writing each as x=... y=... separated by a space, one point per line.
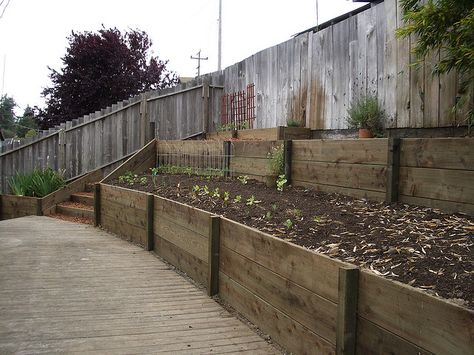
x=258 y=134
x=255 y=149
x=125 y=230
x=253 y=166
x=374 y=340
x=439 y=184
x=357 y=193
x=183 y=238
x=123 y=213
x=446 y=206
x=13 y=206
x=356 y=176
x=187 y=263
x=315 y=272
x=123 y=196
x=428 y=322
x=190 y=147
x=442 y=153
x=186 y=216
x=353 y=151
x=294 y=133
x=285 y=331
x=314 y=312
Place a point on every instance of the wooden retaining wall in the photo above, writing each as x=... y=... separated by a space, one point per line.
x=355 y=167
x=291 y=293
x=264 y=134
x=12 y=206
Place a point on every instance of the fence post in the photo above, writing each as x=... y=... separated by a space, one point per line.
x=346 y=327
x=39 y=207
x=393 y=170
x=205 y=106
x=287 y=148
x=149 y=221
x=143 y=120
x=62 y=149
x=97 y=204
x=213 y=256
x=226 y=158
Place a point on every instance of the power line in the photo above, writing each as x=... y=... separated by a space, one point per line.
x=6 y=5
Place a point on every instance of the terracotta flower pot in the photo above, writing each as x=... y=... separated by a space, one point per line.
x=365 y=133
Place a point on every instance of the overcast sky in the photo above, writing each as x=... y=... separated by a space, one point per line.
x=33 y=33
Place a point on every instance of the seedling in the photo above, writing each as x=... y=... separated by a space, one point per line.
x=296 y=212
x=274 y=207
x=252 y=201
x=237 y=199
x=226 y=197
x=243 y=179
x=268 y=215
x=196 y=189
x=216 y=193
x=143 y=180
x=205 y=191
x=281 y=182
x=288 y=224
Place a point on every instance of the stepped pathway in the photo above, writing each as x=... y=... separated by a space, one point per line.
x=68 y=287
x=80 y=207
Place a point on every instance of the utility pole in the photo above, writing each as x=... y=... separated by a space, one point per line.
x=199 y=58
x=219 y=39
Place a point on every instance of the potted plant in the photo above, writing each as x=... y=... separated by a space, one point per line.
x=366 y=115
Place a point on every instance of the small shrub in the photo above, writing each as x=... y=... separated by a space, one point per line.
x=277 y=160
x=291 y=122
x=366 y=113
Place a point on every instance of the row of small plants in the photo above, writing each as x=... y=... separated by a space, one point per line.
x=38 y=183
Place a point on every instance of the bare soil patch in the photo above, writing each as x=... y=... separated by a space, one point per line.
x=419 y=246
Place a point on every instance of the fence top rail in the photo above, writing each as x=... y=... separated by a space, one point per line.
x=30 y=144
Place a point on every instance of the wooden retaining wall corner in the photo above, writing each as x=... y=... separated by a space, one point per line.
x=346 y=327
x=213 y=255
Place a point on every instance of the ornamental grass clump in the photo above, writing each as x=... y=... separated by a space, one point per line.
x=365 y=113
x=38 y=183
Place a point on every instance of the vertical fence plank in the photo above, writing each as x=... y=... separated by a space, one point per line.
x=347 y=311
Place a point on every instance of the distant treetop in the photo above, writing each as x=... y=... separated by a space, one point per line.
x=99 y=69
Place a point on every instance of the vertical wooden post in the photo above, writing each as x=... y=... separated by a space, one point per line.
x=393 y=170
x=39 y=207
x=213 y=255
x=280 y=133
x=287 y=147
x=149 y=221
x=346 y=328
x=143 y=120
x=226 y=158
x=205 y=106
x=97 y=204
x=62 y=149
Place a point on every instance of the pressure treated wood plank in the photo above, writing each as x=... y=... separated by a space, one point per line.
x=296 y=338
x=125 y=197
x=439 y=184
x=186 y=216
x=250 y=166
x=184 y=238
x=195 y=268
x=18 y=206
x=314 y=312
x=315 y=272
x=443 y=153
x=356 y=176
x=75 y=288
x=445 y=206
x=354 y=151
x=123 y=213
x=264 y=134
x=254 y=149
x=123 y=229
x=428 y=322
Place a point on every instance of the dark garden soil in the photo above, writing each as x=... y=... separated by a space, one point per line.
x=419 y=246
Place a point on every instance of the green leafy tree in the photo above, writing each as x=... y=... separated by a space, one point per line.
x=26 y=126
x=446 y=26
x=7 y=116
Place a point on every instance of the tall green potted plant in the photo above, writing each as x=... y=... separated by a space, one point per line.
x=366 y=115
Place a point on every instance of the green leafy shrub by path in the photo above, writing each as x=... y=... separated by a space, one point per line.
x=38 y=183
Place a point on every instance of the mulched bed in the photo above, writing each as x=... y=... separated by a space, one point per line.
x=419 y=246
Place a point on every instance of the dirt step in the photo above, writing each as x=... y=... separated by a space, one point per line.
x=86 y=198
x=64 y=217
x=75 y=209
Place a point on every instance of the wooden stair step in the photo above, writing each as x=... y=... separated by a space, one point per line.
x=75 y=209
x=86 y=198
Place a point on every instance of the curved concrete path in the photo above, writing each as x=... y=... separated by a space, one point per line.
x=67 y=287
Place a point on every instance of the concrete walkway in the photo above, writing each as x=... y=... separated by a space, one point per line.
x=67 y=287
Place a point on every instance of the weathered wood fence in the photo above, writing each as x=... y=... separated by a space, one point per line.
x=86 y=143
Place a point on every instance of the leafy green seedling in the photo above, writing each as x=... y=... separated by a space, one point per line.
x=281 y=182
x=288 y=224
x=237 y=199
x=252 y=201
x=243 y=179
x=143 y=180
x=268 y=215
x=226 y=197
